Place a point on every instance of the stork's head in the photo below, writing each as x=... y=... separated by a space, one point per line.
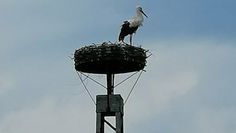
x=140 y=10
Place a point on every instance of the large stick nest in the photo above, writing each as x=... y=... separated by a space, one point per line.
x=110 y=58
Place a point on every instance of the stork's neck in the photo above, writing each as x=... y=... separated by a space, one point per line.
x=139 y=15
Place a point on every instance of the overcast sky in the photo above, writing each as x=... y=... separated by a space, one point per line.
x=190 y=79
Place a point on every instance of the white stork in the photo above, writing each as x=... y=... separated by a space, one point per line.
x=129 y=27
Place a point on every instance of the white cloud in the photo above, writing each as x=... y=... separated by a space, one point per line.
x=217 y=121
x=6 y=83
x=167 y=78
x=50 y=117
x=177 y=69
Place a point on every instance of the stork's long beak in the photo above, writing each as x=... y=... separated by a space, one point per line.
x=144 y=14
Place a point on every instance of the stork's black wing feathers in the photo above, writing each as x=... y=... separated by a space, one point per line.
x=126 y=30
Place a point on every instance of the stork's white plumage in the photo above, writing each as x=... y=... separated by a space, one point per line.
x=129 y=27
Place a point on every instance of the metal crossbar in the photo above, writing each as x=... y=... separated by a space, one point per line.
x=125 y=79
x=133 y=86
x=93 y=80
x=86 y=88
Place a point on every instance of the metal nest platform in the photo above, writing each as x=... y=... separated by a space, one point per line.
x=110 y=58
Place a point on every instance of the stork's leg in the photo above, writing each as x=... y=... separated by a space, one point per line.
x=130 y=39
